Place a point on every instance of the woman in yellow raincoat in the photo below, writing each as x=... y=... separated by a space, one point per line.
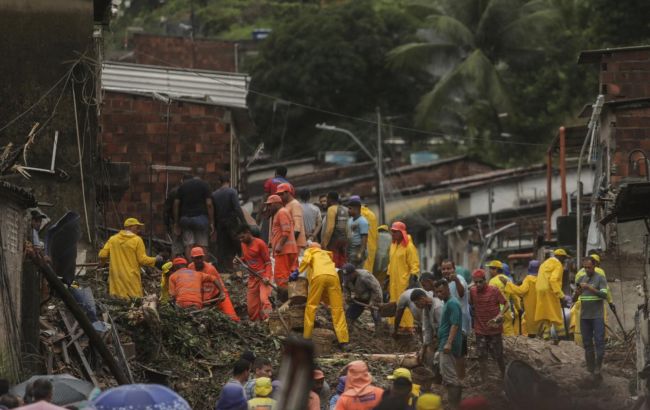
x=372 y=237
x=548 y=309
x=125 y=252
x=511 y=324
x=529 y=295
x=403 y=263
x=324 y=283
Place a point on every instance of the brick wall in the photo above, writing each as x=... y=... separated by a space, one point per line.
x=134 y=130
x=632 y=132
x=217 y=55
x=625 y=74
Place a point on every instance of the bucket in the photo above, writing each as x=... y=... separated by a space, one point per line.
x=388 y=309
x=275 y=324
x=298 y=291
x=323 y=340
x=296 y=316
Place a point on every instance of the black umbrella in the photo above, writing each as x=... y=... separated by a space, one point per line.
x=66 y=388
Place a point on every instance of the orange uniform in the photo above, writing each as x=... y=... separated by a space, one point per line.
x=185 y=286
x=359 y=393
x=211 y=291
x=285 y=258
x=256 y=256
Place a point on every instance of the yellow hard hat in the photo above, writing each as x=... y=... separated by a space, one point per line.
x=263 y=386
x=495 y=264
x=167 y=267
x=595 y=257
x=429 y=401
x=132 y=222
x=400 y=373
x=560 y=252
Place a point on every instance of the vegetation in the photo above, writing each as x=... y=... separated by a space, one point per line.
x=487 y=77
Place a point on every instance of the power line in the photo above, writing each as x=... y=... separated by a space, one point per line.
x=338 y=114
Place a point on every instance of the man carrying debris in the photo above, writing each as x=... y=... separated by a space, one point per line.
x=255 y=254
x=550 y=298
x=125 y=253
x=592 y=293
x=214 y=290
x=362 y=290
x=185 y=285
x=488 y=305
x=450 y=340
x=283 y=240
x=403 y=269
x=323 y=280
x=358 y=227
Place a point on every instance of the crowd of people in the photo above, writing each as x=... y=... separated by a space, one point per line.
x=351 y=265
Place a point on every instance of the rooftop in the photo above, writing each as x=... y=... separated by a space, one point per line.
x=594 y=56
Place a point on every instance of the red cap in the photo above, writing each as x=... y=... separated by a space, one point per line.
x=273 y=199
x=197 y=251
x=284 y=187
x=318 y=374
x=478 y=274
x=179 y=261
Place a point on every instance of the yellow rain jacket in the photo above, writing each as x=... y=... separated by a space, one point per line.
x=324 y=284
x=510 y=318
x=164 y=282
x=549 y=292
x=404 y=262
x=577 y=306
x=372 y=237
x=528 y=293
x=126 y=253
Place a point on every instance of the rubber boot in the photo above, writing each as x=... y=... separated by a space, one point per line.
x=455 y=394
x=590 y=360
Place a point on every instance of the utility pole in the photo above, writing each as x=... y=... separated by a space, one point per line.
x=380 y=172
x=490 y=215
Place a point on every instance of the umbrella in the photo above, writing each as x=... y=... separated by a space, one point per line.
x=41 y=405
x=66 y=388
x=140 y=397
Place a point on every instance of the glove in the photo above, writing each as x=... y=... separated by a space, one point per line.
x=294 y=275
x=414 y=282
x=159 y=261
x=566 y=301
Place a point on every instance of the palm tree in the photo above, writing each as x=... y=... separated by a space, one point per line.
x=467 y=45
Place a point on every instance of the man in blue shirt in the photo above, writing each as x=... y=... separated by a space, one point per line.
x=358 y=227
x=450 y=341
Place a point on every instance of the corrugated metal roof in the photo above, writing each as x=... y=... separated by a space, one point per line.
x=223 y=89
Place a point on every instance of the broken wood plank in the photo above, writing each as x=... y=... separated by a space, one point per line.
x=64 y=349
x=79 y=350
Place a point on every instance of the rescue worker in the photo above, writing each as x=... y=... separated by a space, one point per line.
x=262 y=400
x=335 y=232
x=291 y=204
x=359 y=392
x=164 y=281
x=283 y=240
x=384 y=240
x=511 y=320
x=550 y=298
x=529 y=295
x=575 y=308
x=255 y=254
x=323 y=280
x=361 y=290
x=403 y=269
x=592 y=293
x=126 y=254
x=186 y=284
x=214 y=289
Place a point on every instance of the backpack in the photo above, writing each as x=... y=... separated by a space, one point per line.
x=341 y=230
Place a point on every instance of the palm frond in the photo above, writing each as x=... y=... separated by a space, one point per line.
x=529 y=31
x=416 y=55
x=452 y=30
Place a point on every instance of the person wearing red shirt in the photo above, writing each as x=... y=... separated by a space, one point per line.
x=185 y=285
x=255 y=254
x=283 y=240
x=488 y=306
x=271 y=184
x=216 y=287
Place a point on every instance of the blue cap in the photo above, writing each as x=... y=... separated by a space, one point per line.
x=533 y=267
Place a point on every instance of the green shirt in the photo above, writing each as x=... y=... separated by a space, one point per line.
x=452 y=314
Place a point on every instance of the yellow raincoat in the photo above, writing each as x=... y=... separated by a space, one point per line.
x=164 y=282
x=510 y=318
x=577 y=306
x=126 y=253
x=372 y=237
x=548 y=310
x=529 y=295
x=324 y=284
x=403 y=263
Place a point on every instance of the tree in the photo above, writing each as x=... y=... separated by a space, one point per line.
x=332 y=59
x=468 y=45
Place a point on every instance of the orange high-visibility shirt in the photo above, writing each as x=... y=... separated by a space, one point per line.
x=186 y=287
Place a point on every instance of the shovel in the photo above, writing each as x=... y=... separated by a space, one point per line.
x=250 y=270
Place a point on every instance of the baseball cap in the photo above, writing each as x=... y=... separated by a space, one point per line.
x=400 y=372
x=478 y=274
x=132 y=222
x=318 y=374
x=284 y=187
x=595 y=257
x=495 y=264
x=179 y=261
x=273 y=199
x=560 y=252
x=197 y=251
